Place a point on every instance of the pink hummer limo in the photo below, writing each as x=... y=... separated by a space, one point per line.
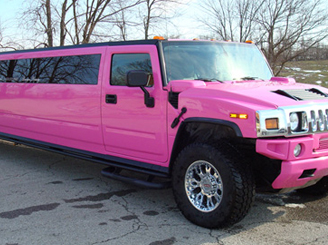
x=207 y=117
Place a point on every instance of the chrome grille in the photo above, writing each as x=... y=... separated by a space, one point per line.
x=313 y=118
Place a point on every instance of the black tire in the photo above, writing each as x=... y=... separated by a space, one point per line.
x=226 y=190
x=318 y=189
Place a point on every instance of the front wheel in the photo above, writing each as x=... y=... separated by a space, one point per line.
x=211 y=188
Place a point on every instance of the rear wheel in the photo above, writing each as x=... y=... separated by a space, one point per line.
x=211 y=188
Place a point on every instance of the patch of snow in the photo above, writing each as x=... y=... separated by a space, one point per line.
x=318 y=82
x=312 y=71
x=294 y=205
x=295 y=68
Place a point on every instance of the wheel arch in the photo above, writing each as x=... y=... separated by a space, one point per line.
x=198 y=129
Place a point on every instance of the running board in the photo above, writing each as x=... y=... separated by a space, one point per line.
x=111 y=161
x=115 y=173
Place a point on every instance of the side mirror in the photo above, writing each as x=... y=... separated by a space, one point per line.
x=140 y=79
x=137 y=78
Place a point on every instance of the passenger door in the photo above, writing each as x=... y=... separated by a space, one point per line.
x=130 y=128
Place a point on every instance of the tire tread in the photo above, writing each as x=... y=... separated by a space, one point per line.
x=241 y=174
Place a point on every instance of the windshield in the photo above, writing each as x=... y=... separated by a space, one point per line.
x=214 y=61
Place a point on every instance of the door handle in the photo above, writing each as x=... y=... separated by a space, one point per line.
x=111 y=98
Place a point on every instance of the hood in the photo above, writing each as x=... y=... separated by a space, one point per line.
x=269 y=94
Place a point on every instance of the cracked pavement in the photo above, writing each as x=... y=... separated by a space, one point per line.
x=46 y=198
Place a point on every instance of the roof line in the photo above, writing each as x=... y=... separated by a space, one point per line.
x=88 y=45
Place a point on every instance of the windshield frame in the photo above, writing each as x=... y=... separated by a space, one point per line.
x=166 y=43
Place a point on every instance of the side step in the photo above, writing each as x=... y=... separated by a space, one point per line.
x=115 y=173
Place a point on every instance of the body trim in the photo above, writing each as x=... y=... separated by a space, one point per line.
x=232 y=125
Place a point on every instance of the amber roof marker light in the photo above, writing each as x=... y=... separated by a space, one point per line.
x=159 y=38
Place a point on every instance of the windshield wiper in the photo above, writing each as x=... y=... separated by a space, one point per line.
x=250 y=78
x=209 y=79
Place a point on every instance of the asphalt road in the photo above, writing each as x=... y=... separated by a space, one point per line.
x=46 y=198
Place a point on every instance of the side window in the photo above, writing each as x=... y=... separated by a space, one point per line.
x=79 y=69
x=123 y=63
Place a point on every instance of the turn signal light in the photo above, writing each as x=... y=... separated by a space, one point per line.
x=272 y=123
x=239 y=116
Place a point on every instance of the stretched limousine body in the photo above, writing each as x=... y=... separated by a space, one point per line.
x=207 y=115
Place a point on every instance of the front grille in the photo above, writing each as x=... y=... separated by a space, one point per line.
x=313 y=118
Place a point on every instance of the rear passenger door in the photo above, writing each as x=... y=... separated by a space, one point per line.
x=130 y=128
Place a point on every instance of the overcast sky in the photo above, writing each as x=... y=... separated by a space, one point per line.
x=10 y=9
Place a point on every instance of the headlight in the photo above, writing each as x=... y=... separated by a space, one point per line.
x=294 y=121
x=298 y=122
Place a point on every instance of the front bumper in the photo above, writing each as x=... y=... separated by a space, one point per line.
x=310 y=165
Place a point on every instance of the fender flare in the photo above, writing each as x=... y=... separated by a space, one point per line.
x=176 y=148
x=232 y=125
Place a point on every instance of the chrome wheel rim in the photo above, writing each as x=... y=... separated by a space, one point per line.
x=203 y=186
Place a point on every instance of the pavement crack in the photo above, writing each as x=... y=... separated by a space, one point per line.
x=136 y=226
x=51 y=165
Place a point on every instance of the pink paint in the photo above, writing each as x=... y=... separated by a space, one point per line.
x=293 y=167
x=78 y=116
x=291 y=172
x=67 y=115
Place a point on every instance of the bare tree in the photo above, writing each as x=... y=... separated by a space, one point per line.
x=49 y=29
x=277 y=26
x=72 y=20
x=122 y=23
x=230 y=19
x=45 y=18
x=6 y=43
x=154 y=11
x=286 y=24
x=33 y=20
x=63 y=23
x=153 y=14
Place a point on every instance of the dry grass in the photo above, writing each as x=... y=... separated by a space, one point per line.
x=314 y=72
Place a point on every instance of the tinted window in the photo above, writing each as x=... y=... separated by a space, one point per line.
x=80 y=69
x=123 y=63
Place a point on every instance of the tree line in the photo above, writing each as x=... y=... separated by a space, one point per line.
x=51 y=23
x=284 y=30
